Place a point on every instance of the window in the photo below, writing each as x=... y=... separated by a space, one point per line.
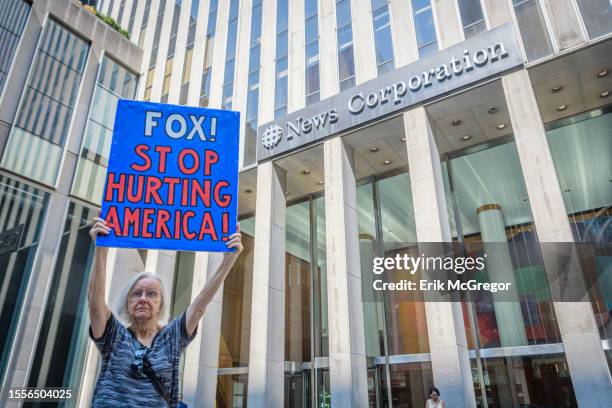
x=143 y=27
x=425 y=28
x=532 y=28
x=22 y=213
x=114 y=82
x=230 y=55
x=252 y=106
x=185 y=78
x=171 y=49
x=471 y=17
x=208 y=53
x=153 y=57
x=37 y=139
x=282 y=46
x=382 y=36
x=13 y=17
x=312 y=51
x=344 y=36
x=597 y=16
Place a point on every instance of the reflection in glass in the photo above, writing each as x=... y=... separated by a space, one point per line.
x=409 y=383
x=13 y=17
x=534 y=33
x=471 y=17
x=22 y=213
x=37 y=139
x=208 y=53
x=236 y=311
x=62 y=342
x=529 y=381
x=252 y=105
x=232 y=391
x=581 y=149
x=282 y=45
x=597 y=16
x=492 y=206
x=425 y=28
x=114 y=82
x=382 y=37
x=346 y=62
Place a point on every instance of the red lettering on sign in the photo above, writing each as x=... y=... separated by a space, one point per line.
x=131 y=217
x=162 y=218
x=146 y=221
x=163 y=151
x=207 y=227
x=112 y=219
x=171 y=182
x=222 y=200
x=134 y=197
x=181 y=161
x=141 y=150
x=153 y=184
x=210 y=157
x=112 y=185
x=202 y=191
x=186 y=217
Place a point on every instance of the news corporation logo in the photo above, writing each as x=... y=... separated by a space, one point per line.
x=272 y=136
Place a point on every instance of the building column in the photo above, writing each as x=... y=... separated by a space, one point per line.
x=267 y=341
x=450 y=361
x=585 y=357
x=404 y=36
x=564 y=22
x=496 y=13
x=347 y=360
x=363 y=41
x=449 y=29
x=328 y=49
x=296 y=79
x=202 y=355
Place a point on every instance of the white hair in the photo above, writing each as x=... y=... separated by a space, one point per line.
x=121 y=305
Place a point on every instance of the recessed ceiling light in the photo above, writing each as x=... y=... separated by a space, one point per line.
x=604 y=94
x=320 y=183
x=567 y=190
x=556 y=89
x=561 y=107
x=501 y=126
x=492 y=110
x=466 y=138
x=373 y=149
x=387 y=162
x=525 y=200
x=306 y=172
x=286 y=193
x=403 y=139
x=457 y=122
x=248 y=191
x=602 y=73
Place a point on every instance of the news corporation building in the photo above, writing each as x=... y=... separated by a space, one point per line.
x=366 y=125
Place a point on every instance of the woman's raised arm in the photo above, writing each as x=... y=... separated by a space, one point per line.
x=196 y=309
x=99 y=311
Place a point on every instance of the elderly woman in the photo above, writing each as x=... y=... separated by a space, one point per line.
x=140 y=363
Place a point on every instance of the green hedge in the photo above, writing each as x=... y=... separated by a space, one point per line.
x=110 y=21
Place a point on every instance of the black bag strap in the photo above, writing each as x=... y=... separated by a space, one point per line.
x=150 y=373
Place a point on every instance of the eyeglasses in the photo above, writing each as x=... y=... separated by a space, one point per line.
x=150 y=294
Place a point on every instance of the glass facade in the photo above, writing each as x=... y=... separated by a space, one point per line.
x=37 y=139
x=186 y=77
x=492 y=206
x=533 y=30
x=311 y=27
x=13 y=17
x=383 y=42
x=145 y=21
x=580 y=148
x=60 y=352
x=597 y=16
x=230 y=55
x=425 y=28
x=208 y=52
x=252 y=105
x=22 y=214
x=171 y=50
x=344 y=33
x=154 y=50
x=282 y=58
x=114 y=82
x=471 y=17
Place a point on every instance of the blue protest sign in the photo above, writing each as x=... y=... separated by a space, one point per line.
x=172 y=178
